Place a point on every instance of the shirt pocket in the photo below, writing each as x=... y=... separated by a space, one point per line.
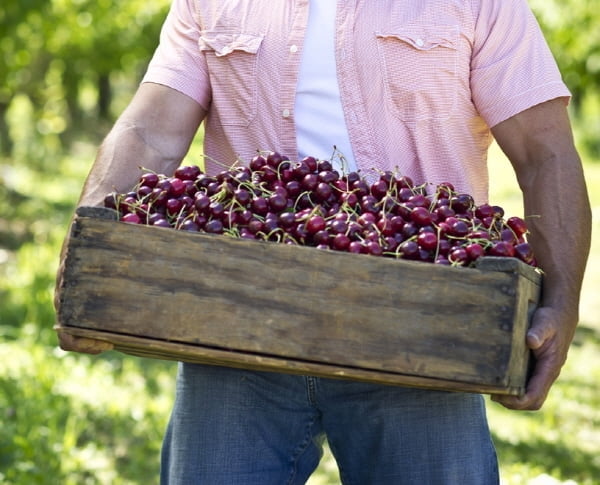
x=232 y=60
x=419 y=64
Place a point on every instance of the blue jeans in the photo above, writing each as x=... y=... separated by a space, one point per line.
x=240 y=427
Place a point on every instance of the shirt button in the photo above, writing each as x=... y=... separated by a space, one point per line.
x=286 y=113
x=419 y=42
x=293 y=48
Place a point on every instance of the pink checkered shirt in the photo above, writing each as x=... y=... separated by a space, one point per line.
x=421 y=82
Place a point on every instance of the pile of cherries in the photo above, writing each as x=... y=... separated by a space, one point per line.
x=310 y=203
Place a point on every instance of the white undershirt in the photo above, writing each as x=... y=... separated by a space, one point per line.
x=320 y=123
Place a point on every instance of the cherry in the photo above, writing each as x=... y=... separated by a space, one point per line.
x=357 y=247
x=311 y=163
x=368 y=203
x=315 y=224
x=524 y=252
x=409 y=249
x=189 y=225
x=379 y=189
x=404 y=182
x=517 y=225
x=242 y=196
x=419 y=200
x=361 y=188
x=421 y=216
x=501 y=248
x=308 y=202
x=458 y=256
x=474 y=251
x=259 y=205
x=277 y=202
x=216 y=209
x=149 y=179
x=323 y=191
x=462 y=203
x=187 y=172
x=287 y=220
x=131 y=218
x=340 y=242
x=350 y=199
x=162 y=222
x=310 y=181
x=174 y=206
x=111 y=200
x=214 y=226
x=374 y=248
x=427 y=240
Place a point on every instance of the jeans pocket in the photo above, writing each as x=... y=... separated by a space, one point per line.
x=419 y=64
x=232 y=60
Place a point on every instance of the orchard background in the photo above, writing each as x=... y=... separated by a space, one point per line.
x=67 y=69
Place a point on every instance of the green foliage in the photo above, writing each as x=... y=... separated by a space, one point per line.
x=571 y=30
x=67 y=57
x=71 y=420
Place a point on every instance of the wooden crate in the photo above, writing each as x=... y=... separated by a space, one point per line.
x=195 y=297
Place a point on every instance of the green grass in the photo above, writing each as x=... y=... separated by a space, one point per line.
x=75 y=419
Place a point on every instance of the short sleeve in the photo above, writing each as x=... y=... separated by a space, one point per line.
x=512 y=67
x=177 y=61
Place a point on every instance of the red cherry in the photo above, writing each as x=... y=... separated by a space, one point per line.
x=517 y=225
x=131 y=218
x=501 y=248
x=315 y=224
x=427 y=240
x=421 y=216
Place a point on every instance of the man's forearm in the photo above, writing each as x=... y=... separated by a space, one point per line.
x=559 y=217
x=539 y=143
x=119 y=163
x=540 y=146
x=154 y=133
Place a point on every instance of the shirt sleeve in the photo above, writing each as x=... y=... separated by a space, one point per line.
x=512 y=67
x=177 y=61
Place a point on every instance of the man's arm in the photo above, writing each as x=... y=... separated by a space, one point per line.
x=154 y=132
x=539 y=144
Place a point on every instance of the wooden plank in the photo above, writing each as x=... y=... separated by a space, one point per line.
x=149 y=348
x=300 y=304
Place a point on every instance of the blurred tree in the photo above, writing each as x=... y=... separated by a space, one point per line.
x=50 y=50
x=571 y=30
x=67 y=56
x=571 y=27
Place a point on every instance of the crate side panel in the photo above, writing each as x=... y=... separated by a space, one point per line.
x=290 y=301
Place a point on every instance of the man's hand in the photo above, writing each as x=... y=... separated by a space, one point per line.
x=549 y=338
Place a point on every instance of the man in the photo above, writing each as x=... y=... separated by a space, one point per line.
x=418 y=86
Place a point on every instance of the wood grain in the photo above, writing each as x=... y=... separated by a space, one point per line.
x=298 y=309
